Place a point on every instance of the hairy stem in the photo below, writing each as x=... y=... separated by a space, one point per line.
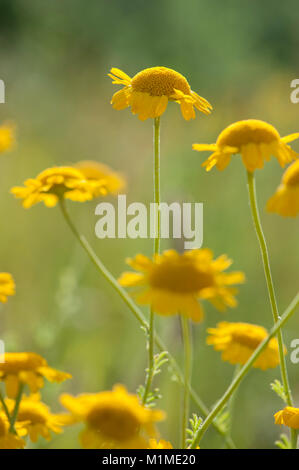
x=271 y=291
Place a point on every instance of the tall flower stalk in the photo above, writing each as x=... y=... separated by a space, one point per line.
x=271 y=292
x=151 y=332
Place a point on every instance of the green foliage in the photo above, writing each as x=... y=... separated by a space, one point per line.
x=284 y=442
x=277 y=387
x=195 y=423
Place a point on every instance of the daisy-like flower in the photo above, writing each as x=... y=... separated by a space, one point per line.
x=285 y=201
x=9 y=440
x=54 y=183
x=6 y=137
x=161 y=444
x=255 y=140
x=237 y=342
x=7 y=286
x=36 y=418
x=112 y=182
x=173 y=283
x=289 y=416
x=27 y=368
x=149 y=91
x=114 y=419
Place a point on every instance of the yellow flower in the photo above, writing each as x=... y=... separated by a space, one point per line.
x=238 y=341
x=36 y=418
x=286 y=199
x=161 y=444
x=255 y=140
x=7 y=286
x=172 y=283
x=6 y=137
x=289 y=416
x=114 y=419
x=54 y=183
x=7 y=439
x=149 y=91
x=94 y=172
x=27 y=368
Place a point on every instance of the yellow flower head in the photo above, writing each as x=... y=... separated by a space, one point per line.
x=255 y=140
x=36 y=418
x=114 y=419
x=54 y=183
x=149 y=91
x=27 y=368
x=161 y=444
x=94 y=172
x=7 y=137
x=289 y=416
x=7 y=286
x=238 y=341
x=172 y=283
x=7 y=439
x=286 y=199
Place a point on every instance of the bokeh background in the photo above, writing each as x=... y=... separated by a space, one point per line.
x=54 y=59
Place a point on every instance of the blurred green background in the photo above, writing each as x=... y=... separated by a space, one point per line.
x=55 y=57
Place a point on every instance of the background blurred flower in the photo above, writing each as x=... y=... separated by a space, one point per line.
x=255 y=140
x=285 y=201
x=7 y=137
x=114 y=419
x=7 y=286
x=149 y=91
x=36 y=417
x=9 y=440
x=27 y=368
x=101 y=178
x=238 y=341
x=173 y=283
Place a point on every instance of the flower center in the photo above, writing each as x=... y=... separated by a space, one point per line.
x=181 y=276
x=113 y=422
x=158 y=81
x=248 y=338
x=245 y=132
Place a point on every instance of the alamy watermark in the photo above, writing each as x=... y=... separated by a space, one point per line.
x=2 y=91
x=294 y=96
x=2 y=351
x=135 y=221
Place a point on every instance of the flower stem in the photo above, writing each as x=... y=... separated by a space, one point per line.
x=187 y=369
x=136 y=312
x=244 y=370
x=14 y=415
x=270 y=286
x=151 y=337
x=4 y=407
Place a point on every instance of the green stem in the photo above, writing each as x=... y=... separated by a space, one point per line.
x=187 y=369
x=270 y=286
x=136 y=312
x=231 y=403
x=4 y=407
x=151 y=338
x=244 y=370
x=16 y=409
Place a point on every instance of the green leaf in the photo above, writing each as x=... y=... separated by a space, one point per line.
x=277 y=387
